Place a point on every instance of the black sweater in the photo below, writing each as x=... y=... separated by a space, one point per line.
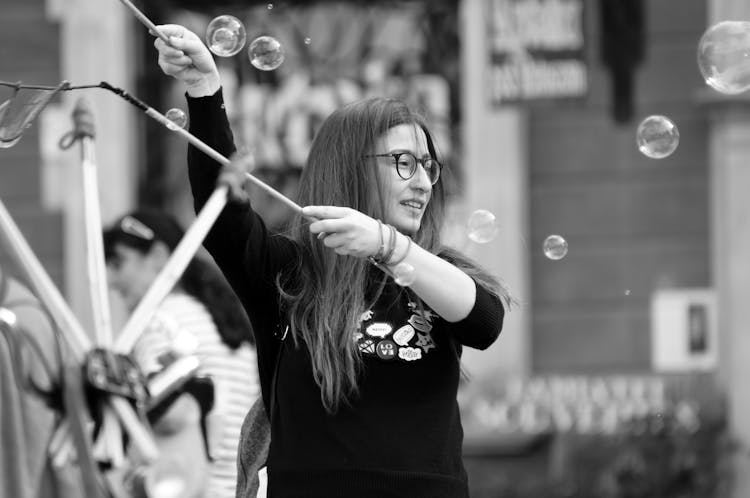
x=402 y=436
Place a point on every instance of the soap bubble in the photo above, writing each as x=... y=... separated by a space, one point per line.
x=555 y=247
x=266 y=53
x=482 y=226
x=177 y=118
x=225 y=36
x=657 y=137
x=404 y=274
x=308 y=40
x=724 y=56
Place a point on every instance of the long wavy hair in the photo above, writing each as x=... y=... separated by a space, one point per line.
x=201 y=279
x=326 y=293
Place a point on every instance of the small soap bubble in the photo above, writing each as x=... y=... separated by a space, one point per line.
x=177 y=118
x=657 y=137
x=555 y=247
x=269 y=6
x=627 y=292
x=225 y=36
x=404 y=274
x=266 y=53
x=482 y=226
x=308 y=41
x=724 y=56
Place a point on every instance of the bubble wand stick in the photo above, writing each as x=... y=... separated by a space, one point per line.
x=145 y=20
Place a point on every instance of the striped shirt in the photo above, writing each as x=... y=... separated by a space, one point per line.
x=183 y=325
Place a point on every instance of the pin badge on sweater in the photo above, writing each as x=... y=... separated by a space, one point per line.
x=409 y=342
x=386 y=350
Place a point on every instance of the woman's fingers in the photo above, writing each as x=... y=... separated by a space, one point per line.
x=190 y=43
x=325 y=212
x=167 y=50
x=170 y=30
x=345 y=230
x=328 y=226
x=333 y=240
x=174 y=66
x=187 y=58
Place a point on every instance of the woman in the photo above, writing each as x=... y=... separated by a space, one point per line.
x=364 y=397
x=200 y=316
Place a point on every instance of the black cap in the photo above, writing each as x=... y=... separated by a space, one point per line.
x=140 y=229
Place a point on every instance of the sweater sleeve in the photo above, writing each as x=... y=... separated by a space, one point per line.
x=484 y=322
x=247 y=253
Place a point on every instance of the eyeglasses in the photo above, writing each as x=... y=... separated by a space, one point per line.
x=406 y=165
x=136 y=228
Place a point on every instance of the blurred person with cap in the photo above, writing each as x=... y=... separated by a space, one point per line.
x=200 y=316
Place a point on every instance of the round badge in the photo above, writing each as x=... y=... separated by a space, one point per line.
x=386 y=350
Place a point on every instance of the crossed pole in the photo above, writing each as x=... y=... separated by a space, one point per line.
x=108 y=446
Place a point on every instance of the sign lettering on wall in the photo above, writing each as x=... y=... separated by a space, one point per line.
x=536 y=50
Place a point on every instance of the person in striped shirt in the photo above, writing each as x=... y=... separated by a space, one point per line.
x=200 y=316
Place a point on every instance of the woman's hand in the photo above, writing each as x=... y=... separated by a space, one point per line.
x=187 y=59
x=345 y=230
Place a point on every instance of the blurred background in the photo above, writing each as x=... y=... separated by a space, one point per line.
x=622 y=371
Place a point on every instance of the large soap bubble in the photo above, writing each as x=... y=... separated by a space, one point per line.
x=724 y=56
x=225 y=36
x=266 y=53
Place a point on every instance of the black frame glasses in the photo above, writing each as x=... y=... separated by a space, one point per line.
x=408 y=168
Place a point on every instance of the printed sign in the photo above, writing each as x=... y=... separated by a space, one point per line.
x=536 y=50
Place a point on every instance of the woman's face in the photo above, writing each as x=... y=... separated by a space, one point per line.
x=405 y=200
x=130 y=273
